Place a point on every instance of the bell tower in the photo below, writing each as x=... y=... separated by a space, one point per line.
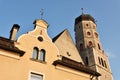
x=89 y=46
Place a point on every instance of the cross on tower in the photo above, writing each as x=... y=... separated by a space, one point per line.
x=42 y=12
x=82 y=10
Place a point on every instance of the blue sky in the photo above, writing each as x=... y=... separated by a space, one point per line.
x=60 y=14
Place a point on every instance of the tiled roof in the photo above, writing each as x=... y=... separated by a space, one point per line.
x=8 y=44
x=56 y=37
x=75 y=65
x=84 y=17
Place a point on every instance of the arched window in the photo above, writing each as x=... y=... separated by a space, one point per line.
x=86 y=24
x=87 y=63
x=102 y=62
x=96 y=35
x=105 y=64
x=99 y=60
x=99 y=46
x=93 y=27
x=35 y=53
x=42 y=55
x=90 y=44
x=81 y=46
x=88 y=33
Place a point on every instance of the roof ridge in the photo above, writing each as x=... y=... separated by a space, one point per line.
x=57 y=36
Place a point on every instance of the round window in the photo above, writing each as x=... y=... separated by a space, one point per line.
x=90 y=44
x=88 y=33
x=40 y=38
x=96 y=35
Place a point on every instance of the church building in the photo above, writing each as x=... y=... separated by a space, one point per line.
x=36 y=56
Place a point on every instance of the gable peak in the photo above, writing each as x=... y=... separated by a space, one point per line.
x=41 y=23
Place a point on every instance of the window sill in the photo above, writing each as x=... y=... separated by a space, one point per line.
x=36 y=60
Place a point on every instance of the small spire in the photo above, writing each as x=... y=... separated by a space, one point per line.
x=42 y=12
x=82 y=10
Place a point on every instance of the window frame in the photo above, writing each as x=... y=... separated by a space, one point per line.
x=99 y=47
x=37 y=74
x=39 y=57
x=90 y=44
x=88 y=33
x=96 y=35
x=35 y=53
x=42 y=55
x=105 y=64
x=81 y=46
x=102 y=61
x=87 y=61
x=99 y=59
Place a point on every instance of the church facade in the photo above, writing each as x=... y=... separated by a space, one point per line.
x=35 y=56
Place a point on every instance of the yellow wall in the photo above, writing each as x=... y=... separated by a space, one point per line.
x=19 y=68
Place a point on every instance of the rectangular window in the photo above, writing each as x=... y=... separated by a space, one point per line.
x=35 y=76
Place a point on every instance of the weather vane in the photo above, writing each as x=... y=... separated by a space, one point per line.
x=42 y=12
x=82 y=10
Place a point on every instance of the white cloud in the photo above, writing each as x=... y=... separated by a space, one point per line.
x=110 y=55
